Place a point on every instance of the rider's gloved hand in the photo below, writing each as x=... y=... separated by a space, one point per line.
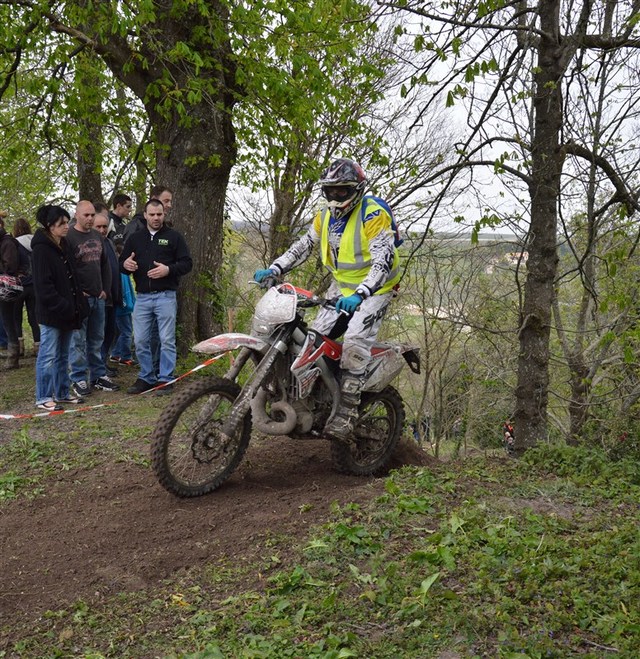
x=261 y=275
x=349 y=304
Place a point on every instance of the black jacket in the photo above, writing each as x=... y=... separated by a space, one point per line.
x=136 y=223
x=59 y=301
x=119 y=226
x=167 y=246
x=114 y=298
x=9 y=254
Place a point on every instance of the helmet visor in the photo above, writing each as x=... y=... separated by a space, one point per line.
x=338 y=193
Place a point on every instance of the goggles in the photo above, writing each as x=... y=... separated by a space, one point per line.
x=338 y=192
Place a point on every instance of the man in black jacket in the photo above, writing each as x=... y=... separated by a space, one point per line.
x=119 y=218
x=157 y=257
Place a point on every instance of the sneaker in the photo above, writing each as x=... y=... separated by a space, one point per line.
x=81 y=389
x=115 y=360
x=128 y=362
x=106 y=384
x=167 y=390
x=70 y=400
x=140 y=386
x=50 y=406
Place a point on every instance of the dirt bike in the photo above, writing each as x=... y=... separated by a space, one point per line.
x=292 y=389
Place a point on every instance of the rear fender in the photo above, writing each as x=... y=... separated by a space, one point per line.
x=386 y=362
x=231 y=341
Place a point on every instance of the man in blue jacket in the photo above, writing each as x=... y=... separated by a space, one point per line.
x=157 y=256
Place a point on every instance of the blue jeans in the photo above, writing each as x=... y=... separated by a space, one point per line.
x=86 y=361
x=3 y=335
x=52 y=379
x=162 y=308
x=109 y=332
x=122 y=347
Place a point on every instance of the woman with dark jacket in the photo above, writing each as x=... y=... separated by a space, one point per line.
x=10 y=264
x=60 y=307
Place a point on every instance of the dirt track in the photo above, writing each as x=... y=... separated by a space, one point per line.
x=100 y=532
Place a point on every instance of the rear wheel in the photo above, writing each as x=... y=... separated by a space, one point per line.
x=189 y=454
x=375 y=436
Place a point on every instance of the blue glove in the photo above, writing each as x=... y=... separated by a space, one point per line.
x=349 y=304
x=261 y=275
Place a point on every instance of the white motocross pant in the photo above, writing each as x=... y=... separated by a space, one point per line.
x=362 y=330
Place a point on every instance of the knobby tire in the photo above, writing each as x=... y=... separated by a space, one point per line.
x=188 y=455
x=375 y=436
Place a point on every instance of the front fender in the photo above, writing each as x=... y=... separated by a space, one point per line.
x=227 y=342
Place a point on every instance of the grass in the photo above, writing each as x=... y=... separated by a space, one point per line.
x=483 y=558
x=486 y=557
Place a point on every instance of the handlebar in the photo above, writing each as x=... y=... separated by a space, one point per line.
x=303 y=301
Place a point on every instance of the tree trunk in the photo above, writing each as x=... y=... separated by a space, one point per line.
x=89 y=179
x=198 y=210
x=196 y=147
x=579 y=404
x=90 y=133
x=533 y=360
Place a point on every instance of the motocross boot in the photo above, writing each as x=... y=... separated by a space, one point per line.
x=341 y=424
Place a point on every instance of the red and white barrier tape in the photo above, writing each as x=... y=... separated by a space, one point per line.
x=84 y=408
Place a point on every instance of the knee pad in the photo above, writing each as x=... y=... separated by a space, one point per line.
x=354 y=359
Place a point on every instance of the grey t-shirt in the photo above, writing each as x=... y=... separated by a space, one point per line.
x=90 y=258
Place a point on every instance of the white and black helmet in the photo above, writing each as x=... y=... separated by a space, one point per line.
x=343 y=184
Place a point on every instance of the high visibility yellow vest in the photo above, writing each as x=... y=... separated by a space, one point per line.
x=354 y=261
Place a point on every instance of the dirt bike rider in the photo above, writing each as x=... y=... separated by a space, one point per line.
x=357 y=247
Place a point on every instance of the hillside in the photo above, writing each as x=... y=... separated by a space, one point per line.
x=483 y=557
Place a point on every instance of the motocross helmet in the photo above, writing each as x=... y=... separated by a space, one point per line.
x=343 y=184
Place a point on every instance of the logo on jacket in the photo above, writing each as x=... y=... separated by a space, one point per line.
x=163 y=241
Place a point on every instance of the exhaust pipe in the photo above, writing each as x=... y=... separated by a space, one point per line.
x=264 y=423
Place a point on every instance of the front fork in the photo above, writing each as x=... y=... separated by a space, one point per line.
x=242 y=403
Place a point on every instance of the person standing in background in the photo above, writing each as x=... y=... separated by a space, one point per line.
x=91 y=261
x=11 y=264
x=156 y=257
x=119 y=218
x=22 y=233
x=114 y=295
x=60 y=307
x=164 y=195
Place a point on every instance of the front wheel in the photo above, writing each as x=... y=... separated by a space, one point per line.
x=189 y=454
x=375 y=436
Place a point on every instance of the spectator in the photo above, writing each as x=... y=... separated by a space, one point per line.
x=114 y=296
x=157 y=256
x=165 y=195
x=12 y=264
x=60 y=307
x=119 y=218
x=22 y=233
x=90 y=258
x=508 y=436
x=121 y=352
